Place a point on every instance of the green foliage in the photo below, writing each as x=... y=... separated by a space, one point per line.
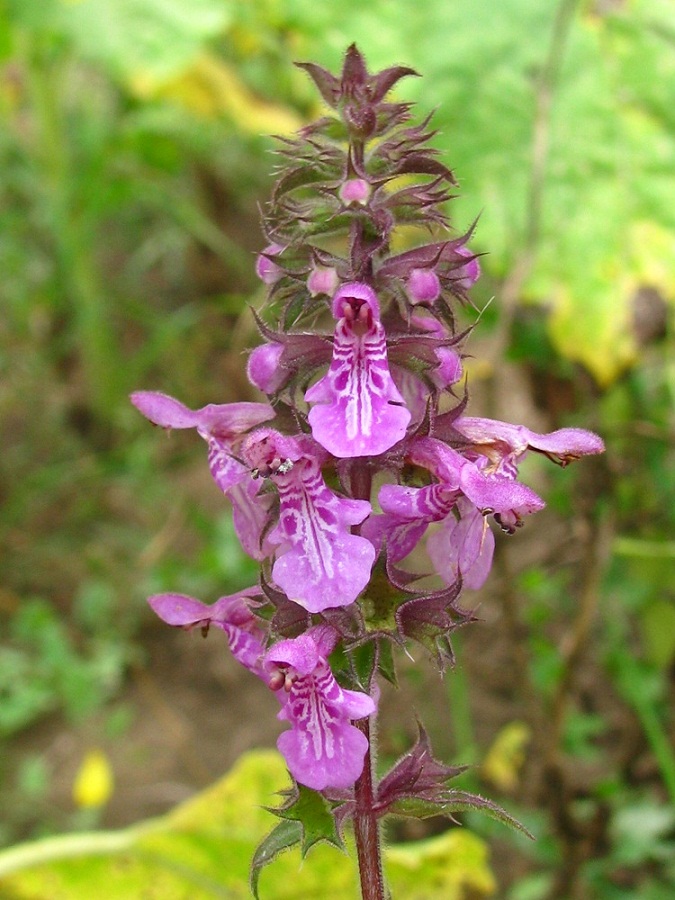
x=559 y=133
x=41 y=670
x=202 y=850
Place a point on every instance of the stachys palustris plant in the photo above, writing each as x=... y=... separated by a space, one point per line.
x=362 y=452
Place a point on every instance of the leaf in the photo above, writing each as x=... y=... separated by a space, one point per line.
x=456 y=801
x=282 y=837
x=209 y=86
x=201 y=851
x=314 y=814
x=658 y=633
x=452 y=866
x=148 y=39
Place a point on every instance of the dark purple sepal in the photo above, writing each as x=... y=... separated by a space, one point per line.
x=346 y=620
x=416 y=776
x=423 y=163
x=430 y=619
x=326 y=82
x=289 y=619
x=302 y=353
x=298 y=177
x=354 y=74
x=384 y=81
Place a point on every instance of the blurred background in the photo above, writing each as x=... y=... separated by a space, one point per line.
x=134 y=160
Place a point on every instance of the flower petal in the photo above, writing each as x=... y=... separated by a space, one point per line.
x=231 y=614
x=463 y=547
x=355 y=412
x=224 y=420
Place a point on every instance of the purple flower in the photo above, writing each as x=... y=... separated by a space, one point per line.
x=322 y=280
x=423 y=286
x=463 y=546
x=355 y=412
x=263 y=369
x=322 y=749
x=222 y=427
x=231 y=614
x=504 y=445
x=508 y=500
x=406 y=514
x=354 y=190
x=470 y=272
x=265 y=267
x=320 y=563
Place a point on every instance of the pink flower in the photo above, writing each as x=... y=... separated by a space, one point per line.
x=322 y=280
x=358 y=409
x=503 y=445
x=231 y=614
x=494 y=493
x=264 y=370
x=265 y=267
x=322 y=749
x=320 y=564
x=423 y=286
x=354 y=190
x=222 y=427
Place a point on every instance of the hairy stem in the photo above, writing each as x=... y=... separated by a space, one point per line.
x=366 y=829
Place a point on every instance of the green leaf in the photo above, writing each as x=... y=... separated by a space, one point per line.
x=150 y=40
x=199 y=850
x=284 y=836
x=452 y=802
x=313 y=813
x=658 y=633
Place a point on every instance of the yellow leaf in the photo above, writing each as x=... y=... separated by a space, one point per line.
x=454 y=864
x=210 y=87
x=505 y=758
x=93 y=783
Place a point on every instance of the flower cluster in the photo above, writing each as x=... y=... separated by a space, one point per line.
x=363 y=446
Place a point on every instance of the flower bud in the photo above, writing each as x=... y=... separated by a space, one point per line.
x=354 y=190
x=469 y=273
x=322 y=280
x=266 y=269
x=423 y=286
x=362 y=120
x=263 y=368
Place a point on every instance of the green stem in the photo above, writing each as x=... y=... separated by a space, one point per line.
x=658 y=741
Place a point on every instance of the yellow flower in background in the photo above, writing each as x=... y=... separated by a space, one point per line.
x=506 y=756
x=94 y=783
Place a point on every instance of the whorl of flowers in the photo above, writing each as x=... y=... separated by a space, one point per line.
x=363 y=445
